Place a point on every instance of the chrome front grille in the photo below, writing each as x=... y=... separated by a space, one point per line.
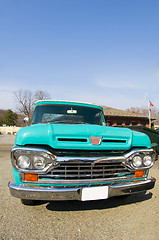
x=84 y=171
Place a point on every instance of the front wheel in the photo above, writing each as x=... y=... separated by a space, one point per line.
x=28 y=202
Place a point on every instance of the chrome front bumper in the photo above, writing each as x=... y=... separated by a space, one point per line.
x=60 y=194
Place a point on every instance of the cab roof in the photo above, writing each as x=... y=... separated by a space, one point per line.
x=74 y=103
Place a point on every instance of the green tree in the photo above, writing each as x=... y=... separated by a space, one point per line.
x=10 y=118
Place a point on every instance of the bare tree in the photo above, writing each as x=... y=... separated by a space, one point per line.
x=41 y=95
x=144 y=111
x=26 y=100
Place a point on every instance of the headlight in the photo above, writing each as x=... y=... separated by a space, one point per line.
x=39 y=162
x=32 y=159
x=147 y=160
x=137 y=161
x=23 y=162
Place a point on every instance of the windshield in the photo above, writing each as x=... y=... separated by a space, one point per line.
x=68 y=114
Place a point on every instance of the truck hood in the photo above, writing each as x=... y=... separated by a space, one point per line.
x=78 y=136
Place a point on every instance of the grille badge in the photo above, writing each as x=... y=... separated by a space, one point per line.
x=96 y=140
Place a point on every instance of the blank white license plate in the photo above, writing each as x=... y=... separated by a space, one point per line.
x=94 y=193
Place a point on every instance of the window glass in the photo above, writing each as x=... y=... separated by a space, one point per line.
x=67 y=114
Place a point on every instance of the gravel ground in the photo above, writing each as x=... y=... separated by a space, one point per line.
x=136 y=217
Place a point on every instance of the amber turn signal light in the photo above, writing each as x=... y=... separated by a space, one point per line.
x=139 y=173
x=31 y=177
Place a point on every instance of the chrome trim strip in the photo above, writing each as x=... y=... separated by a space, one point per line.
x=90 y=159
x=83 y=182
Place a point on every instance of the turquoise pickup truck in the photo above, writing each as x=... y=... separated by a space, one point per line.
x=68 y=153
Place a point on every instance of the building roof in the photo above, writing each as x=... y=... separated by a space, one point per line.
x=108 y=111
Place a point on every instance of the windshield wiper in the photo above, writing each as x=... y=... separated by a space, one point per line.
x=68 y=121
x=57 y=122
x=83 y=123
x=72 y=122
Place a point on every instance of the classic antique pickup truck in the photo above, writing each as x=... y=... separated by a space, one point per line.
x=68 y=153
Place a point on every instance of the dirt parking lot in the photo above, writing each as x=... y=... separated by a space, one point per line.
x=136 y=217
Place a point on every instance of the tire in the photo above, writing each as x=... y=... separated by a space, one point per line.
x=28 y=202
x=124 y=196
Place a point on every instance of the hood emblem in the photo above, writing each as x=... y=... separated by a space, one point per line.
x=96 y=140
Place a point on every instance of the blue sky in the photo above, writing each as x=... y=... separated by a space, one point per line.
x=98 y=51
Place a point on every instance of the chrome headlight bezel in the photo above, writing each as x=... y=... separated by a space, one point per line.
x=142 y=154
x=31 y=153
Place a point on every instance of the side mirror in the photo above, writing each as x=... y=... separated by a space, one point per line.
x=26 y=120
